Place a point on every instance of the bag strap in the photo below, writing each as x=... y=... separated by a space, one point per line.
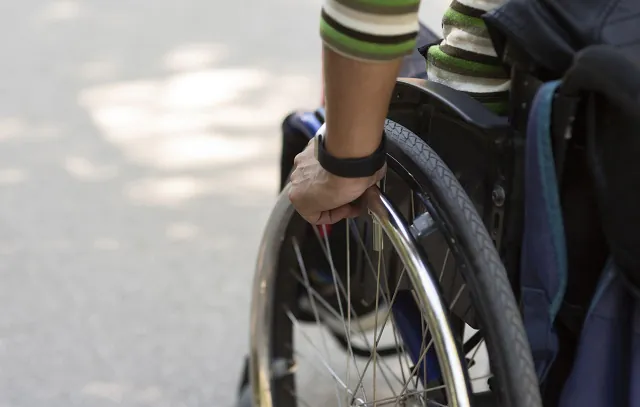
x=543 y=269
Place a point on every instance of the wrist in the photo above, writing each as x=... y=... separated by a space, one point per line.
x=351 y=145
x=350 y=167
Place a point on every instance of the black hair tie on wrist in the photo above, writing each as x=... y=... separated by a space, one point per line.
x=350 y=167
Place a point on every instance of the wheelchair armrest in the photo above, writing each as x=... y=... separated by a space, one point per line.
x=424 y=92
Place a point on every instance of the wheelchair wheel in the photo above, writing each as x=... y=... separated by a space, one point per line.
x=379 y=310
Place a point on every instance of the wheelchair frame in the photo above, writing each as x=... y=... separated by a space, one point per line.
x=402 y=239
x=495 y=148
x=490 y=169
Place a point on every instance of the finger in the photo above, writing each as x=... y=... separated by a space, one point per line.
x=357 y=207
x=308 y=152
x=296 y=160
x=379 y=174
x=336 y=215
x=297 y=176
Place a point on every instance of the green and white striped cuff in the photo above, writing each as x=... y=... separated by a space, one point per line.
x=376 y=30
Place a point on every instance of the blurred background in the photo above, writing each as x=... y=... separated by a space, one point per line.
x=139 y=146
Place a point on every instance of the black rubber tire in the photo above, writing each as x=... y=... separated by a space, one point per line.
x=486 y=278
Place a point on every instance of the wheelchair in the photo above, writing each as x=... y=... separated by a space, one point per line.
x=415 y=302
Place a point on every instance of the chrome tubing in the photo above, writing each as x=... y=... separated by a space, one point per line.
x=398 y=233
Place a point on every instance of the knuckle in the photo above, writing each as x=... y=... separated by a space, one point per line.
x=293 y=196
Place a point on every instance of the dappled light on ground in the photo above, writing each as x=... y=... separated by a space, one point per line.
x=195 y=120
x=60 y=10
x=116 y=393
x=194 y=56
x=225 y=120
x=12 y=128
x=139 y=146
x=169 y=191
x=182 y=231
x=84 y=169
x=10 y=176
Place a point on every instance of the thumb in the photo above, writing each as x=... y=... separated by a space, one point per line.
x=336 y=215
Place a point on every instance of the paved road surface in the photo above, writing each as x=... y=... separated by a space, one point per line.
x=138 y=151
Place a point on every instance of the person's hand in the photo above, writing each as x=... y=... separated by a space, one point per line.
x=321 y=197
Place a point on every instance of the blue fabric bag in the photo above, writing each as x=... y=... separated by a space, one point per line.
x=606 y=369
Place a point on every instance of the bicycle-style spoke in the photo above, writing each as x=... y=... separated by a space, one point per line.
x=399 y=348
x=380 y=298
x=475 y=352
x=444 y=264
x=348 y=331
x=326 y=310
x=378 y=337
x=347 y=316
x=336 y=278
x=418 y=363
x=303 y=269
x=425 y=335
x=397 y=400
x=375 y=344
x=341 y=289
x=457 y=297
x=309 y=289
x=334 y=375
x=304 y=403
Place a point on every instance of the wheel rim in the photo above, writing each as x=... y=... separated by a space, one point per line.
x=266 y=366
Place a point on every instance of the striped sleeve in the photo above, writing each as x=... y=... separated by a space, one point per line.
x=371 y=30
x=465 y=59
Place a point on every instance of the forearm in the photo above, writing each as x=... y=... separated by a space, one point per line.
x=364 y=45
x=357 y=99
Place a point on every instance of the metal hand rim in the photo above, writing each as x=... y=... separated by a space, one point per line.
x=398 y=232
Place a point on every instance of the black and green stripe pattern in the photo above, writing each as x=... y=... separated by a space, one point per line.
x=383 y=30
x=465 y=59
x=374 y=30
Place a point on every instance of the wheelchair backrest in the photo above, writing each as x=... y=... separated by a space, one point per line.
x=603 y=86
x=610 y=85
